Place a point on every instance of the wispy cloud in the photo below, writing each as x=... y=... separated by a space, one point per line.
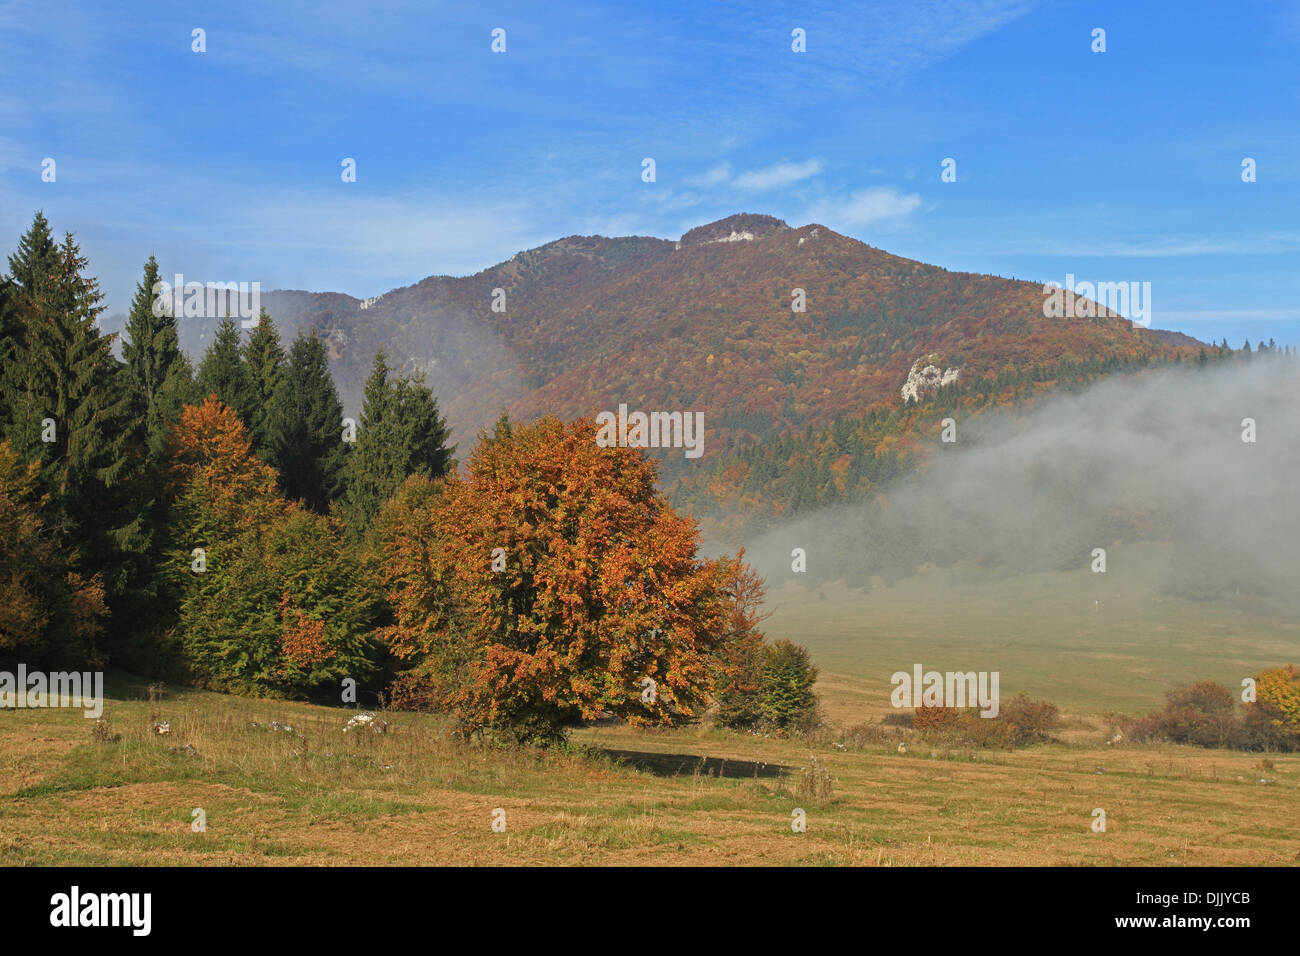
x=715 y=176
x=863 y=207
x=777 y=175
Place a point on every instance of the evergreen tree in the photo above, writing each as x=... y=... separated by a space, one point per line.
x=788 y=678
x=263 y=362
x=221 y=372
x=35 y=263
x=401 y=434
x=157 y=372
x=305 y=426
x=32 y=269
x=10 y=338
x=70 y=409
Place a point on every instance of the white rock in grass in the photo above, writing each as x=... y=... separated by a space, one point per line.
x=367 y=722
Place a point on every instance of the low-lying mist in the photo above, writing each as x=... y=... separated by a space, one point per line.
x=1157 y=456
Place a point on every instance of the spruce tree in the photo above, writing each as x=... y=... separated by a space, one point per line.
x=401 y=434
x=305 y=426
x=32 y=269
x=35 y=263
x=263 y=362
x=152 y=353
x=10 y=338
x=70 y=409
x=221 y=372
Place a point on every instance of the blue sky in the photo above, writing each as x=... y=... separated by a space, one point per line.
x=1115 y=166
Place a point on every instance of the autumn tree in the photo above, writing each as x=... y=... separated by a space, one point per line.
x=553 y=583
x=268 y=598
x=742 y=657
x=1273 y=719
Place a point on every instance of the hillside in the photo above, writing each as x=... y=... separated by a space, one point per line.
x=705 y=324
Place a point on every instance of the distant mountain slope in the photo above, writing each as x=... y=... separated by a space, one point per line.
x=705 y=324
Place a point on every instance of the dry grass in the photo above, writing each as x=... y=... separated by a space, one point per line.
x=124 y=795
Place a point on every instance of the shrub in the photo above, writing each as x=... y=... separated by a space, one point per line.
x=1200 y=714
x=935 y=720
x=1029 y=721
x=992 y=732
x=1272 y=722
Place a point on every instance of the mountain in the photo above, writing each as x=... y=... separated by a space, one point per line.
x=705 y=324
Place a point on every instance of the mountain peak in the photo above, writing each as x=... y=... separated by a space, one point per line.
x=741 y=227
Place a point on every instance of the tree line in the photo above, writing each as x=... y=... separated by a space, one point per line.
x=218 y=525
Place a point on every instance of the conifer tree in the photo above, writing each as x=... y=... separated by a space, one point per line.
x=70 y=409
x=305 y=426
x=263 y=362
x=401 y=434
x=156 y=369
x=32 y=268
x=10 y=332
x=221 y=372
x=34 y=264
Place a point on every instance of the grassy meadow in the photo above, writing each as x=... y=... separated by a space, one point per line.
x=319 y=796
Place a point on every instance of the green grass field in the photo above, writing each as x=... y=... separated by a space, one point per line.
x=317 y=795
x=1088 y=642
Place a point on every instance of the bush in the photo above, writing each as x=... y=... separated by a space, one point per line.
x=1204 y=714
x=767 y=686
x=1200 y=714
x=972 y=730
x=935 y=720
x=1029 y=721
x=1272 y=722
x=1020 y=722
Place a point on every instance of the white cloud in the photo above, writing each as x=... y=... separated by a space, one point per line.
x=864 y=207
x=779 y=174
x=715 y=176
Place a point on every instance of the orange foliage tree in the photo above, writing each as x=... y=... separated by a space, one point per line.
x=554 y=583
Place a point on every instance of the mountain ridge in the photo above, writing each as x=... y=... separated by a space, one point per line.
x=585 y=323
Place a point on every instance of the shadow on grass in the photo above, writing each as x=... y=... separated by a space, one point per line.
x=685 y=765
